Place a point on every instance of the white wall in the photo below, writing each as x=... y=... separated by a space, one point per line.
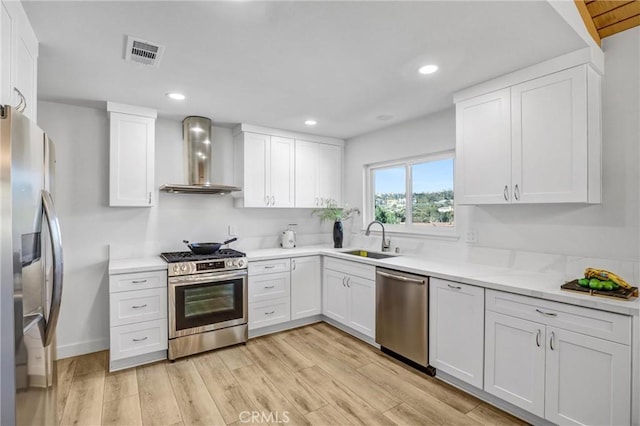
x=607 y=231
x=89 y=226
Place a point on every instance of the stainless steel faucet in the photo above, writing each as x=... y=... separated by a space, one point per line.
x=386 y=244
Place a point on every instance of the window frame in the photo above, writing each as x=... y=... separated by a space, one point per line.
x=410 y=227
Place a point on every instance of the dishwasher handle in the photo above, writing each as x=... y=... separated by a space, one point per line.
x=400 y=278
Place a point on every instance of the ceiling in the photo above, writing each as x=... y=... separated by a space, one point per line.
x=276 y=64
x=612 y=17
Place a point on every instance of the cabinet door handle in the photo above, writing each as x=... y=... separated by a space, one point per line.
x=149 y=198
x=273 y=200
x=140 y=340
x=270 y=313
x=538 y=335
x=455 y=287
x=22 y=105
x=139 y=306
x=138 y=281
x=316 y=201
x=551 y=340
x=516 y=192
x=506 y=192
x=293 y=264
x=547 y=314
x=343 y=284
x=266 y=200
x=348 y=279
x=269 y=286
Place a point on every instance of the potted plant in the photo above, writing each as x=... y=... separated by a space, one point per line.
x=331 y=212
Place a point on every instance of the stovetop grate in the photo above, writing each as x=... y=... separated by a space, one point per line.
x=187 y=256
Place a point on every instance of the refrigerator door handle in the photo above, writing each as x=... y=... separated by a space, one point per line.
x=56 y=243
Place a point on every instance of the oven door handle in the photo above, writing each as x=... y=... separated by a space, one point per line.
x=205 y=278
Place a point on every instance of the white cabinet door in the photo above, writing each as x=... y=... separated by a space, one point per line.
x=588 y=380
x=483 y=149
x=329 y=164
x=282 y=172
x=307 y=164
x=335 y=292
x=362 y=305
x=456 y=330
x=131 y=160
x=306 y=287
x=549 y=138
x=257 y=181
x=515 y=361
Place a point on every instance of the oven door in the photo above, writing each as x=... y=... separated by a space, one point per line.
x=204 y=302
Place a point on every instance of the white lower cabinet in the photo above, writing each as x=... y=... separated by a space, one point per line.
x=269 y=291
x=536 y=362
x=137 y=318
x=349 y=295
x=306 y=287
x=456 y=330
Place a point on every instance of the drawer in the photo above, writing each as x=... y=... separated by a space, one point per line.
x=592 y=322
x=269 y=286
x=270 y=312
x=138 y=339
x=352 y=268
x=128 y=307
x=137 y=281
x=269 y=266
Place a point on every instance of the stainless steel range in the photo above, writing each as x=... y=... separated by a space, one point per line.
x=207 y=301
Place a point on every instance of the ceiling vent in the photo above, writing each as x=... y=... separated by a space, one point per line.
x=143 y=52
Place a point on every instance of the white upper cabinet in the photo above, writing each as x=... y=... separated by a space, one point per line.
x=276 y=169
x=538 y=141
x=483 y=149
x=18 y=59
x=265 y=170
x=131 y=156
x=318 y=173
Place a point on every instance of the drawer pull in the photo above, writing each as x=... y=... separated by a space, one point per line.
x=269 y=266
x=270 y=313
x=269 y=286
x=141 y=340
x=138 y=281
x=455 y=287
x=547 y=314
x=139 y=306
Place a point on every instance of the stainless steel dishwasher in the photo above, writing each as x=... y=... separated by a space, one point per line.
x=402 y=314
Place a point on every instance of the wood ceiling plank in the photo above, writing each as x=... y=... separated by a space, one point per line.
x=597 y=8
x=619 y=26
x=588 y=21
x=617 y=15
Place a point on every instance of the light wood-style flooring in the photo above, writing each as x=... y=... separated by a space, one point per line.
x=314 y=375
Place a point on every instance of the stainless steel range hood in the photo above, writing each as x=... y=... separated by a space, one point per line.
x=196 y=133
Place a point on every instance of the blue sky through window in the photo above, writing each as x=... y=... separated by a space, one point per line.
x=432 y=176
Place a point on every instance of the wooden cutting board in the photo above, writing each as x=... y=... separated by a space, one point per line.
x=619 y=293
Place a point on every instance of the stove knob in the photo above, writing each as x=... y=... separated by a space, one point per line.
x=183 y=267
x=241 y=263
x=175 y=269
x=228 y=263
x=235 y=263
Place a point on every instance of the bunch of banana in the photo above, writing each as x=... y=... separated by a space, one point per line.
x=603 y=275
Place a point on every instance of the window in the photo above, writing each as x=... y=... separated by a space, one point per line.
x=413 y=195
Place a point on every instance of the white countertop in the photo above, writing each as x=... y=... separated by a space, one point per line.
x=141 y=264
x=528 y=283
x=542 y=285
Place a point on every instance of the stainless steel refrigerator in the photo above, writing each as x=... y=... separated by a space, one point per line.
x=30 y=273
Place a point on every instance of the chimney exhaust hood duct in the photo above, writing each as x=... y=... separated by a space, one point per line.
x=196 y=134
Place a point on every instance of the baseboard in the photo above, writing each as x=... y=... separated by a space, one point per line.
x=81 y=348
x=351 y=331
x=263 y=331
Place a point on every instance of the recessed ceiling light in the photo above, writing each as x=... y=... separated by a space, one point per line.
x=428 y=69
x=311 y=122
x=176 y=96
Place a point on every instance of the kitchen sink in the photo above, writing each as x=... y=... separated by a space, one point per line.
x=366 y=253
